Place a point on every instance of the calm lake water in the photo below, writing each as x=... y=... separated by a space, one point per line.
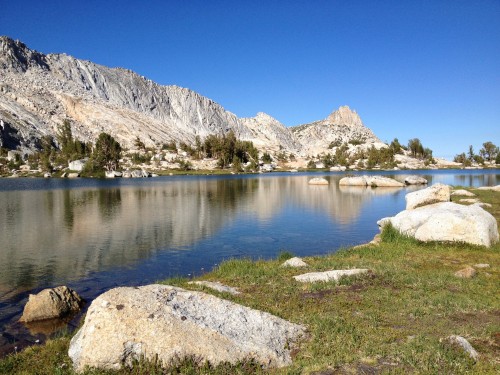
x=93 y=235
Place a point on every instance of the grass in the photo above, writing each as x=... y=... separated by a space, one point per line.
x=392 y=320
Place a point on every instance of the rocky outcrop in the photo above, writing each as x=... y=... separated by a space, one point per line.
x=51 y=303
x=270 y=134
x=373 y=181
x=447 y=221
x=167 y=323
x=342 y=125
x=433 y=194
x=333 y=275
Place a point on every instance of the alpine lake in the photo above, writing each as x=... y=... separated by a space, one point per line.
x=93 y=235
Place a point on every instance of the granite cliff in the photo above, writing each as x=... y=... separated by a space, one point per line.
x=38 y=91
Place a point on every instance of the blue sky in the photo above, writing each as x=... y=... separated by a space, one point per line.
x=426 y=69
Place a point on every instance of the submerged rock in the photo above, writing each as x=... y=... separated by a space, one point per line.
x=165 y=323
x=415 y=180
x=51 y=303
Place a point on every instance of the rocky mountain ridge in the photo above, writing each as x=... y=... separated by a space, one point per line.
x=37 y=92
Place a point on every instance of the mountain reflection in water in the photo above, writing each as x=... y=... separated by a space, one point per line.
x=52 y=235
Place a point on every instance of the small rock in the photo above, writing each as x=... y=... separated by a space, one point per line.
x=47 y=175
x=215 y=285
x=465 y=345
x=469 y=200
x=463 y=192
x=294 y=262
x=73 y=175
x=335 y=275
x=51 y=303
x=494 y=188
x=482 y=265
x=466 y=273
x=318 y=181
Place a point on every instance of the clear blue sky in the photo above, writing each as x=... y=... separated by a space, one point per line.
x=426 y=69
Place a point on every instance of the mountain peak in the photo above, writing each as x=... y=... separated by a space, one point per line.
x=16 y=56
x=344 y=116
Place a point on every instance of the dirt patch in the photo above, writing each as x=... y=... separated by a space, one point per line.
x=479 y=318
x=381 y=367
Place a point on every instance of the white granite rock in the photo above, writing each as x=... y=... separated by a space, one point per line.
x=447 y=221
x=166 y=323
x=333 y=275
x=465 y=345
x=433 y=194
x=294 y=262
x=463 y=192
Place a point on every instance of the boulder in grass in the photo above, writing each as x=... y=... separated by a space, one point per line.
x=51 y=303
x=447 y=222
x=166 y=323
x=464 y=344
x=463 y=193
x=333 y=275
x=466 y=273
x=433 y=194
x=294 y=262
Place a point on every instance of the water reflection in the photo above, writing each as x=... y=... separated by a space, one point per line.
x=50 y=235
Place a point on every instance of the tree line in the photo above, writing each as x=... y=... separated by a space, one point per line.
x=488 y=153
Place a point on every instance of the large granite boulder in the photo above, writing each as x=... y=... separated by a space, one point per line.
x=374 y=181
x=433 y=194
x=51 y=303
x=446 y=221
x=168 y=323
